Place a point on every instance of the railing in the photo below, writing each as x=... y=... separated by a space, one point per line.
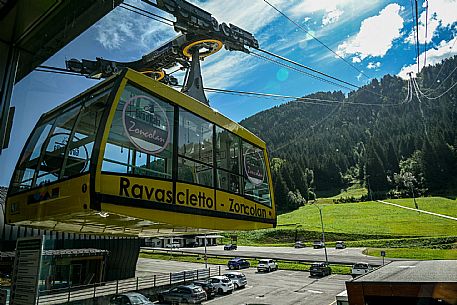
x=77 y=293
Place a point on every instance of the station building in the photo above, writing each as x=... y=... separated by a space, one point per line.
x=406 y=283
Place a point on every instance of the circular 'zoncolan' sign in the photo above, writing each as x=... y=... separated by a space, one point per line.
x=254 y=167
x=146 y=124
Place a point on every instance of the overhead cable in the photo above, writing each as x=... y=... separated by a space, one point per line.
x=299 y=70
x=145 y=13
x=426 y=30
x=417 y=37
x=315 y=38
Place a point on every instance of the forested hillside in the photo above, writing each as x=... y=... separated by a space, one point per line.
x=391 y=136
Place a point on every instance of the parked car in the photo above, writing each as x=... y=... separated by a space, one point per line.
x=183 y=294
x=208 y=286
x=238 y=263
x=340 y=245
x=173 y=245
x=361 y=268
x=320 y=269
x=267 y=265
x=317 y=244
x=130 y=298
x=222 y=284
x=230 y=247
x=239 y=279
x=299 y=244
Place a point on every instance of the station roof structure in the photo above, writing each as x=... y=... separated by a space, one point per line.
x=40 y=28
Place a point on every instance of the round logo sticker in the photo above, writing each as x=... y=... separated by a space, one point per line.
x=146 y=124
x=254 y=167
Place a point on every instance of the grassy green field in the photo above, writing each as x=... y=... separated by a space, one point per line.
x=438 y=205
x=373 y=218
x=414 y=253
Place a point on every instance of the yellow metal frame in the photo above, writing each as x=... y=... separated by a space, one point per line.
x=187 y=48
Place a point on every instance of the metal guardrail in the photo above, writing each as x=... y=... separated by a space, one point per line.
x=77 y=293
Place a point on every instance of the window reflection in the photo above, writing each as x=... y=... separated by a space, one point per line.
x=141 y=136
x=195 y=149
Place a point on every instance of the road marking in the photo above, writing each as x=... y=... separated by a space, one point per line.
x=417 y=210
x=218 y=297
x=315 y=291
x=332 y=303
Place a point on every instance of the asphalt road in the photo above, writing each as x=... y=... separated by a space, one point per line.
x=342 y=256
x=280 y=287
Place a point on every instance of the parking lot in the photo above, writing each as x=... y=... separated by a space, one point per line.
x=278 y=287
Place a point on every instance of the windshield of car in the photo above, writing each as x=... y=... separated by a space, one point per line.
x=225 y=281
x=263 y=262
x=360 y=266
x=138 y=299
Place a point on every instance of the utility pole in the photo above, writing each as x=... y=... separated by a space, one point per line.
x=323 y=232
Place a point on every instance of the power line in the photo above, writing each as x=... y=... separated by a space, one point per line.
x=315 y=38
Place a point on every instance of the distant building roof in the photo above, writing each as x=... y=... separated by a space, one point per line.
x=413 y=272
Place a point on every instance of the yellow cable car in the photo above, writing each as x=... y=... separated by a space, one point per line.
x=132 y=155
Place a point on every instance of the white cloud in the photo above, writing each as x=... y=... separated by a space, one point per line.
x=444 y=50
x=376 y=34
x=332 y=9
x=441 y=13
x=332 y=17
x=373 y=65
x=125 y=30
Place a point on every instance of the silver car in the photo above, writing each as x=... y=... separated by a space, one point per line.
x=239 y=279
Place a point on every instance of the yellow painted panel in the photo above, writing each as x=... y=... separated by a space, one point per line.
x=61 y=198
x=238 y=205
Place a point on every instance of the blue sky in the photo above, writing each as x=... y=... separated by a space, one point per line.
x=375 y=36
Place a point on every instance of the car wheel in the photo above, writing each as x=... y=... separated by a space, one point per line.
x=220 y=291
x=238 y=267
x=269 y=269
x=230 y=267
x=235 y=285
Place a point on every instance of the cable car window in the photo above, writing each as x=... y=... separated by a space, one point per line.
x=27 y=165
x=228 y=160
x=54 y=154
x=140 y=140
x=255 y=175
x=85 y=131
x=195 y=149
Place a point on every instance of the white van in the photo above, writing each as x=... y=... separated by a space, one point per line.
x=361 y=268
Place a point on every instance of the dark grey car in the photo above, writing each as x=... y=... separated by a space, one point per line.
x=130 y=298
x=183 y=294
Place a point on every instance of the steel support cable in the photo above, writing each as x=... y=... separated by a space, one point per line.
x=426 y=30
x=321 y=73
x=420 y=108
x=315 y=38
x=146 y=14
x=307 y=68
x=296 y=139
x=414 y=34
x=437 y=97
x=442 y=64
x=417 y=37
x=447 y=77
x=298 y=70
